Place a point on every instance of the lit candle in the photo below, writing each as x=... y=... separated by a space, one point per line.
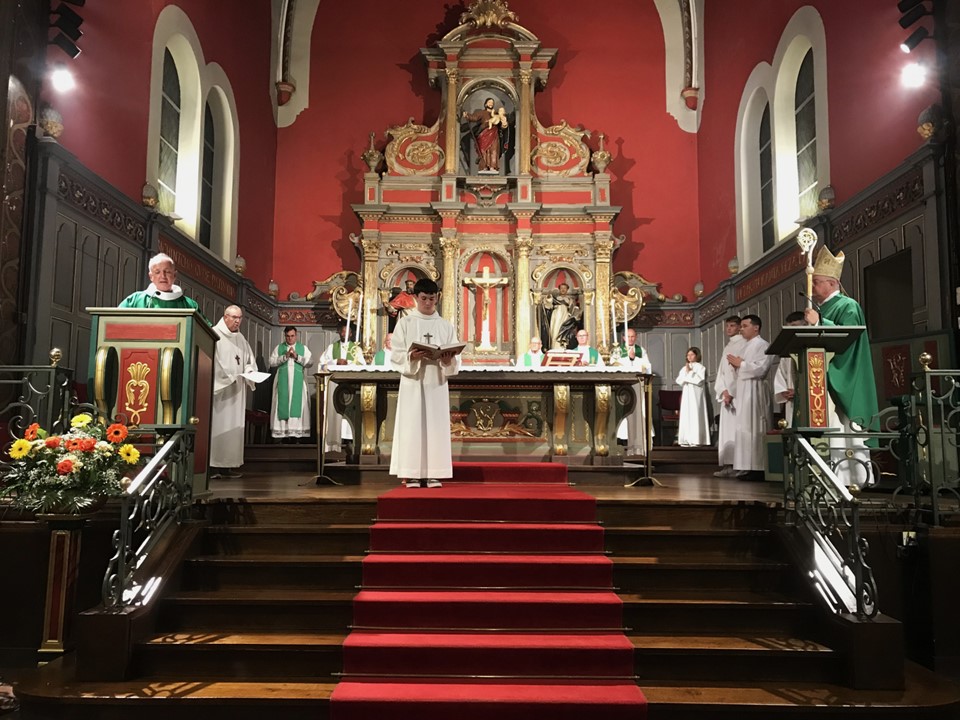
x=346 y=335
x=613 y=322
x=624 y=323
x=356 y=337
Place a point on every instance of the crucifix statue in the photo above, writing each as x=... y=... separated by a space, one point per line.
x=485 y=283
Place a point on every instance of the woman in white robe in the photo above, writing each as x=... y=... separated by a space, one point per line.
x=694 y=426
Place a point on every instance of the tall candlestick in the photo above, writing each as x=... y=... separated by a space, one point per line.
x=356 y=337
x=603 y=328
x=346 y=335
x=624 y=323
x=613 y=322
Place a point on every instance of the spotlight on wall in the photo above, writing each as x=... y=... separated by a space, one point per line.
x=68 y=22
x=913 y=75
x=916 y=37
x=62 y=79
x=905 y=5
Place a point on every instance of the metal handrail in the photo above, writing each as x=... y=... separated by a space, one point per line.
x=156 y=499
x=35 y=394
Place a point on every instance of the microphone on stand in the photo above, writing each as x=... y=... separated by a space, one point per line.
x=812 y=302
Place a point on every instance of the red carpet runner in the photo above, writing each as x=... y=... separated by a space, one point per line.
x=488 y=598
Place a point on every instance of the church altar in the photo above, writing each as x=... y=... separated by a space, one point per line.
x=504 y=413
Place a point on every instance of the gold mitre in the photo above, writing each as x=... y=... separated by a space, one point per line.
x=828 y=264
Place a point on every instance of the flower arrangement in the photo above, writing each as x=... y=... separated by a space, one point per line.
x=68 y=473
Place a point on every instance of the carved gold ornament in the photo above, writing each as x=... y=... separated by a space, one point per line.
x=488 y=14
x=560 y=151
x=136 y=391
x=347 y=303
x=413 y=149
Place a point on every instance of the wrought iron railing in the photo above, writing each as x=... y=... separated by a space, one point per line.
x=828 y=512
x=35 y=394
x=155 y=500
x=933 y=470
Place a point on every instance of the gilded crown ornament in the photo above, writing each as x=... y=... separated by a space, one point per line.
x=828 y=264
x=600 y=158
x=488 y=14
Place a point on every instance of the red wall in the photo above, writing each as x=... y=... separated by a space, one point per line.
x=872 y=117
x=609 y=77
x=106 y=116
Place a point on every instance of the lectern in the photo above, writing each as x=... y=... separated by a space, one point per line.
x=155 y=367
x=812 y=347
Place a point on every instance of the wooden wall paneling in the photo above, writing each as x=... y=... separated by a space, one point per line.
x=913 y=239
x=61 y=291
x=89 y=270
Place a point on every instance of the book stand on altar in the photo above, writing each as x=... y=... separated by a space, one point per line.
x=155 y=368
x=812 y=347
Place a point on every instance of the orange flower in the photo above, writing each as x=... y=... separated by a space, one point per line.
x=52 y=442
x=117 y=433
x=88 y=444
x=65 y=466
x=74 y=444
x=31 y=432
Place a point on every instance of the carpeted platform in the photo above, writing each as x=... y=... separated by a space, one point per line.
x=490 y=598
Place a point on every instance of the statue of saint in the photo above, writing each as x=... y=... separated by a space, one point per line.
x=490 y=131
x=560 y=315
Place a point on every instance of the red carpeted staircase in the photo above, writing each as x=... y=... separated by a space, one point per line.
x=488 y=597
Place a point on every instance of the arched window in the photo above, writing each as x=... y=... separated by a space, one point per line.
x=193 y=149
x=767 y=208
x=169 y=134
x=806 y=120
x=782 y=142
x=208 y=163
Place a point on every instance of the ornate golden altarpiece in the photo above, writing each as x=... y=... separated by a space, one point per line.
x=500 y=231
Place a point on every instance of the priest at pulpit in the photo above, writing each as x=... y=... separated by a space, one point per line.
x=162 y=292
x=850 y=373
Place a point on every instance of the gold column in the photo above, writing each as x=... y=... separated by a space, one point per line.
x=452 y=134
x=561 y=405
x=450 y=246
x=601 y=420
x=370 y=242
x=368 y=423
x=521 y=332
x=603 y=250
x=523 y=136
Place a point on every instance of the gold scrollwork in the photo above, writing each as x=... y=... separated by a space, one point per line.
x=136 y=391
x=166 y=383
x=561 y=404
x=368 y=418
x=602 y=394
x=552 y=157
x=412 y=151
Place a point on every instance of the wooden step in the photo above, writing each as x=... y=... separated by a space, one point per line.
x=670 y=572
x=257 y=610
x=712 y=658
x=326 y=510
x=709 y=542
x=246 y=656
x=699 y=515
x=307 y=572
x=755 y=613
x=347 y=539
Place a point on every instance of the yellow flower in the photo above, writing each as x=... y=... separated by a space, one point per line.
x=81 y=420
x=129 y=453
x=20 y=448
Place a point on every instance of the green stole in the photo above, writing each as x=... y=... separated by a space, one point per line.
x=380 y=358
x=288 y=405
x=342 y=351
x=528 y=360
x=593 y=355
x=638 y=351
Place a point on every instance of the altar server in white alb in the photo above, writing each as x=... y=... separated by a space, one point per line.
x=421 y=437
x=724 y=389
x=233 y=358
x=633 y=428
x=754 y=410
x=290 y=410
x=785 y=379
x=694 y=426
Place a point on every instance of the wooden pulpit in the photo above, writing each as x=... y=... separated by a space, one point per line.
x=155 y=368
x=812 y=347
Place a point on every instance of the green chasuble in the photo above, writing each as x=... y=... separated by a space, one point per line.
x=142 y=299
x=530 y=361
x=637 y=350
x=289 y=404
x=593 y=355
x=380 y=358
x=850 y=377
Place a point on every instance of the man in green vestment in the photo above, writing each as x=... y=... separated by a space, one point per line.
x=532 y=358
x=382 y=358
x=850 y=378
x=162 y=292
x=588 y=355
x=290 y=409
